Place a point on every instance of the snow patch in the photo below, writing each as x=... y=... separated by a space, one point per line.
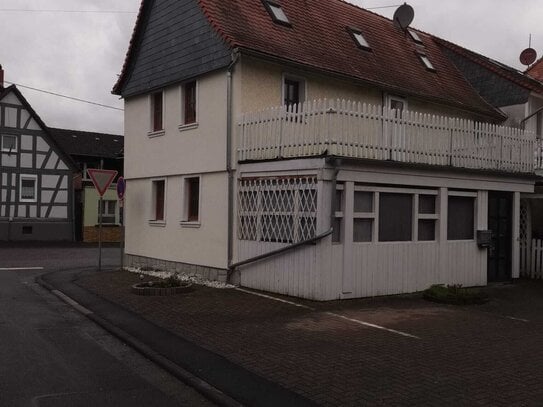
x=181 y=277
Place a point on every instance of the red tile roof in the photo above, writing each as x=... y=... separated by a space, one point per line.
x=319 y=39
x=536 y=70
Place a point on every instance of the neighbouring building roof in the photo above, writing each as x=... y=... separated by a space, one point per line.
x=536 y=70
x=512 y=75
x=318 y=37
x=48 y=133
x=84 y=143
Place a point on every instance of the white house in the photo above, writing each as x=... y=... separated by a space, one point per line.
x=314 y=150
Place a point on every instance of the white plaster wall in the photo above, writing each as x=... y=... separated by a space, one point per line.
x=261 y=87
x=204 y=245
x=200 y=149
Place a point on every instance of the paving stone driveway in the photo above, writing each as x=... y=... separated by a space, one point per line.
x=490 y=355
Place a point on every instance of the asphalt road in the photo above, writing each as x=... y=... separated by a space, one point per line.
x=50 y=355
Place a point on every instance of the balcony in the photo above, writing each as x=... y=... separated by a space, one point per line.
x=358 y=130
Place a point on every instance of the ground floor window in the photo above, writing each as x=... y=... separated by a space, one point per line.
x=388 y=214
x=277 y=209
x=108 y=210
x=192 y=199
x=29 y=187
x=461 y=218
x=395 y=217
x=158 y=200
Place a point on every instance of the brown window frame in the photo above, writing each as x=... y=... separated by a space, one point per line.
x=159 y=198
x=190 y=100
x=192 y=190
x=157 y=111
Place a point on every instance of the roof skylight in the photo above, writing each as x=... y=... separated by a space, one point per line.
x=359 y=39
x=415 y=36
x=426 y=62
x=277 y=13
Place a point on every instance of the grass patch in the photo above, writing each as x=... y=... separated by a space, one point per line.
x=455 y=294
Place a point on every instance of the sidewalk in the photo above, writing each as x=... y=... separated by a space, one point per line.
x=385 y=351
x=192 y=363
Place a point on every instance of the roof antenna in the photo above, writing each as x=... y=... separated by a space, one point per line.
x=529 y=55
x=404 y=16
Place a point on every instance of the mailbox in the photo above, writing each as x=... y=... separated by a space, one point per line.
x=484 y=238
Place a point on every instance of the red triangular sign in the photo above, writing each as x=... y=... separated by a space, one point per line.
x=101 y=179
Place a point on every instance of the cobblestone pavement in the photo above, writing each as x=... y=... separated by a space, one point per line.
x=489 y=355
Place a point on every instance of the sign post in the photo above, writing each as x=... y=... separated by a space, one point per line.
x=101 y=179
x=121 y=189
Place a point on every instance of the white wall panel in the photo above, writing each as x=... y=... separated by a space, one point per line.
x=60 y=212
x=11 y=99
x=10 y=118
x=26 y=142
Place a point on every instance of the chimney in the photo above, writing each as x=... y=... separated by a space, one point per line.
x=1 y=78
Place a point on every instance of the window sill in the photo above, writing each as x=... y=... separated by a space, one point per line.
x=190 y=126
x=157 y=223
x=158 y=133
x=190 y=224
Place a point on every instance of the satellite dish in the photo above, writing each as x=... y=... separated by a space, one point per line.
x=528 y=56
x=404 y=16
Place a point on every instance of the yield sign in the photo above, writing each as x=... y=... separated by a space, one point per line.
x=101 y=179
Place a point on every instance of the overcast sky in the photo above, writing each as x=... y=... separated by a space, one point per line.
x=81 y=54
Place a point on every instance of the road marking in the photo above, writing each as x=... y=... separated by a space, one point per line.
x=368 y=324
x=356 y=321
x=269 y=297
x=19 y=268
x=517 y=319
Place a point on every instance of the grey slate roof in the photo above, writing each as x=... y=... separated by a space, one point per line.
x=84 y=143
x=172 y=42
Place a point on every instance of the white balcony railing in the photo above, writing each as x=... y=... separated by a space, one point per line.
x=347 y=129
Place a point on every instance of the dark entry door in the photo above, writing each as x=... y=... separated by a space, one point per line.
x=500 y=215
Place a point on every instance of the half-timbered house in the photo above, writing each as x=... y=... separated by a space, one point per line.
x=36 y=175
x=313 y=149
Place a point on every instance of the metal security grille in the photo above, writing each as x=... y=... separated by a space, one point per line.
x=523 y=235
x=277 y=209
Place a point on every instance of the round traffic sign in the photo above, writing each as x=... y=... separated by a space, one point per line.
x=121 y=187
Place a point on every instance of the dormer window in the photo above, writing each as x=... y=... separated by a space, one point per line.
x=424 y=59
x=415 y=37
x=277 y=14
x=359 y=39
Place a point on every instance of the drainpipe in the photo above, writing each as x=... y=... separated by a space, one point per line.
x=229 y=143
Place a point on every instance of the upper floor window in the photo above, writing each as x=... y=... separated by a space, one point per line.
x=189 y=102
x=293 y=91
x=426 y=62
x=29 y=187
x=9 y=143
x=396 y=104
x=359 y=39
x=276 y=12
x=415 y=36
x=157 y=111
